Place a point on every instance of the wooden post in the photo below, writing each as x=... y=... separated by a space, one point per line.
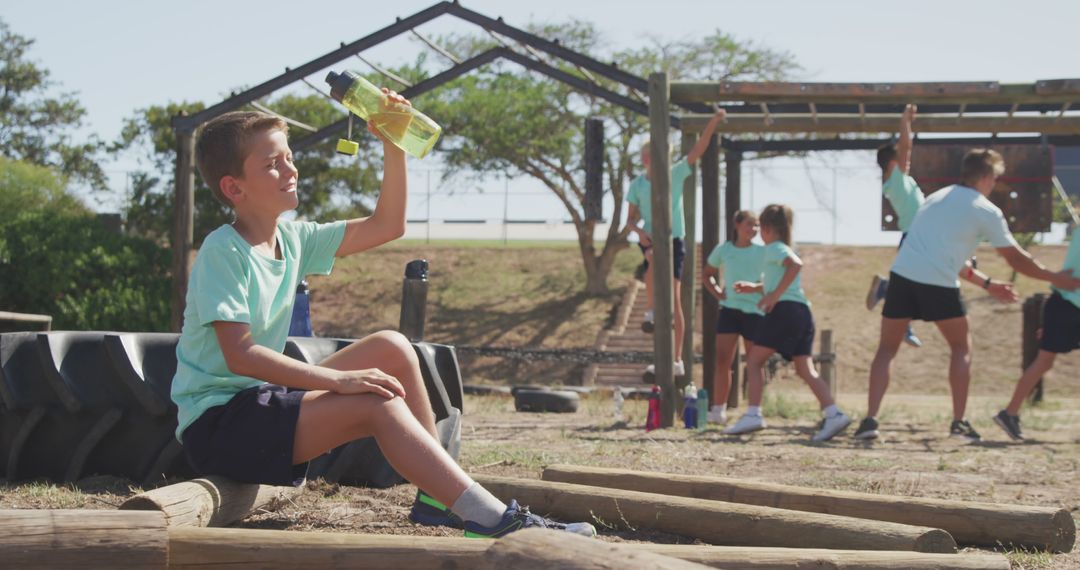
x=828 y=362
x=710 y=236
x=688 y=284
x=238 y=548
x=1033 y=312
x=540 y=548
x=183 y=223
x=213 y=501
x=970 y=523
x=33 y=538
x=594 y=169
x=714 y=521
x=662 y=269
x=732 y=204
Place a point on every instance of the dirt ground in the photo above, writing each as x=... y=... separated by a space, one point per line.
x=914 y=458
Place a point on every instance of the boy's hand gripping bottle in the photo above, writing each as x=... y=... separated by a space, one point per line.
x=409 y=129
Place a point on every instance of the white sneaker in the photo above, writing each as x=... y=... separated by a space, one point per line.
x=677 y=369
x=746 y=424
x=717 y=415
x=831 y=426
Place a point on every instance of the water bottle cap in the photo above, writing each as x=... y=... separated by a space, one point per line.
x=339 y=83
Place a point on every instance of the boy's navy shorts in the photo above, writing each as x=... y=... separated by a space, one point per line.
x=1061 y=325
x=788 y=329
x=678 y=254
x=250 y=438
x=734 y=321
x=907 y=299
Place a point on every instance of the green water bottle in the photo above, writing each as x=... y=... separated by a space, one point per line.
x=409 y=129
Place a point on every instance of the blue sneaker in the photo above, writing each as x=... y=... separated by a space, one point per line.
x=429 y=512
x=517 y=517
x=911 y=339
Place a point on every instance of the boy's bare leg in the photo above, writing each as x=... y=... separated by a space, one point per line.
x=755 y=373
x=328 y=420
x=1042 y=364
x=680 y=324
x=892 y=334
x=725 y=355
x=956 y=333
x=392 y=353
x=804 y=367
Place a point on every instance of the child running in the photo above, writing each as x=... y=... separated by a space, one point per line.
x=905 y=196
x=788 y=326
x=248 y=412
x=741 y=260
x=1060 y=335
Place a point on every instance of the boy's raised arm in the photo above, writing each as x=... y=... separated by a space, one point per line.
x=703 y=140
x=903 y=146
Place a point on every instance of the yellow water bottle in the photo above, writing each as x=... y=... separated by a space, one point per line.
x=409 y=129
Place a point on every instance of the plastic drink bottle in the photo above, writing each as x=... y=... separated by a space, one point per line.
x=652 y=421
x=689 y=414
x=409 y=129
x=702 y=408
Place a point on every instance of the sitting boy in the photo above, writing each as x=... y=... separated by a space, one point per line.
x=248 y=412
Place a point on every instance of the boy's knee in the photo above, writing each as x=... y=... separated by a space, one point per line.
x=397 y=342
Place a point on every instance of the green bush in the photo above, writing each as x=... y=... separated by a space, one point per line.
x=69 y=266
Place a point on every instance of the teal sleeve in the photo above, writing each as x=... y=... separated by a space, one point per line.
x=318 y=245
x=219 y=282
x=716 y=258
x=679 y=173
x=632 y=195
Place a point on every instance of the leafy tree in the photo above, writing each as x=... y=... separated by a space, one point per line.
x=504 y=119
x=25 y=187
x=36 y=128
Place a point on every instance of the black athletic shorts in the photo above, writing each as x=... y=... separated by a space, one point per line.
x=788 y=329
x=1061 y=325
x=249 y=439
x=907 y=299
x=678 y=254
x=734 y=321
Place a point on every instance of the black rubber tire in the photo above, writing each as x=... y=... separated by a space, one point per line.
x=558 y=401
x=74 y=404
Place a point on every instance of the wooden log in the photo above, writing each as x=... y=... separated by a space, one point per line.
x=543 y=549
x=714 y=521
x=82 y=539
x=237 y=548
x=662 y=256
x=1052 y=91
x=844 y=123
x=978 y=524
x=828 y=362
x=213 y=501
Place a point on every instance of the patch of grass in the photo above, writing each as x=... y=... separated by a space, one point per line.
x=1024 y=559
x=780 y=405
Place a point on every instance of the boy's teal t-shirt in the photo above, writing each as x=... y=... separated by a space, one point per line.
x=640 y=195
x=740 y=264
x=775 y=254
x=230 y=281
x=905 y=196
x=1072 y=261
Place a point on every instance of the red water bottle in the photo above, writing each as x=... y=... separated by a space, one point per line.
x=652 y=421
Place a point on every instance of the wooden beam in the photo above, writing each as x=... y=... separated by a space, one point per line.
x=33 y=538
x=183 y=222
x=662 y=263
x=688 y=284
x=551 y=549
x=970 y=523
x=714 y=521
x=238 y=548
x=710 y=237
x=837 y=124
x=213 y=501
x=1059 y=91
x=733 y=203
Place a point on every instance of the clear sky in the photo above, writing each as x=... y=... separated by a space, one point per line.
x=119 y=56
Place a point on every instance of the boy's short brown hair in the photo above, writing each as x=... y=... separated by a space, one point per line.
x=886 y=153
x=979 y=163
x=222 y=145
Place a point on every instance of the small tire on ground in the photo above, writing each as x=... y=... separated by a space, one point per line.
x=558 y=401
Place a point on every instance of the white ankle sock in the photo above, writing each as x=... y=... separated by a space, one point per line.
x=831 y=411
x=718 y=408
x=753 y=410
x=477 y=505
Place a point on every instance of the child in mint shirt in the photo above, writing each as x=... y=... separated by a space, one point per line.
x=740 y=260
x=788 y=326
x=1060 y=335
